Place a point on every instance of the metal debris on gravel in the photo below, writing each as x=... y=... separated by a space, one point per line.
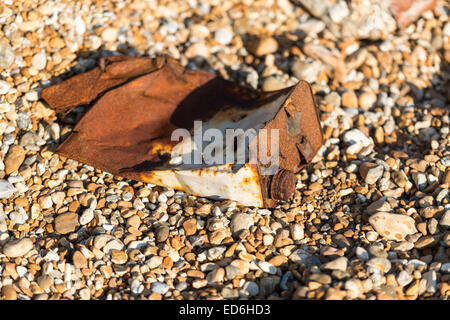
x=71 y=231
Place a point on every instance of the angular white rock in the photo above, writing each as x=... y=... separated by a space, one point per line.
x=393 y=226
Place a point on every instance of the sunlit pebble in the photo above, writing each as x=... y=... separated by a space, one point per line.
x=162 y=198
x=216 y=211
x=371 y=236
x=223 y=36
x=4 y=87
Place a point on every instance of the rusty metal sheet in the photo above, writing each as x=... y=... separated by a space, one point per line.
x=137 y=103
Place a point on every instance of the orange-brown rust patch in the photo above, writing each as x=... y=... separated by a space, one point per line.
x=151 y=178
x=255 y=178
x=148 y=177
x=251 y=180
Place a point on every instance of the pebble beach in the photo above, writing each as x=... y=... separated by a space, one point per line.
x=370 y=216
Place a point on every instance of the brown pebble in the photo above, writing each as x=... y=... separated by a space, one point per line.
x=335 y=294
x=190 y=226
x=167 y=263
x=349 y=99
x=15 y=157
x=45 y=282
x=79 y=260
x=73 y=206
x=9 y=293
x=56 y=43
x=118 y=257
x=162 y=233
x=204 y=209
x=66 y=223
x=379 y=135
x=195 y=274
x=263 y=46
x=367 y=100
x=316 y=186
x=278 y=260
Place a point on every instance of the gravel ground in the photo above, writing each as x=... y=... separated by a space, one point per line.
x=370 y=217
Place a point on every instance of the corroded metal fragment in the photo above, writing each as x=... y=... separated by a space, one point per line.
x=136 y=104
x=408 y=11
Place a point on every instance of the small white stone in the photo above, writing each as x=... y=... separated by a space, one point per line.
x=339 y=11
x=15 y=179
x=18 y=248
x=445 y=267
x=356 y=140
x=351 y=168
x=445 y=219
x=362 y=254
x=216 y=211
x=267 y=239
x=345 y=192
x=160 y=288
x=54 y=131
x=109 y=35
x=136 y=287
x=306 y=70
x=32 y=95
x=312 y=26
x=402 y=246
x=80 y=26
x=162 y=198
x=138 y=204
x=18 y=217
x=371 y=236
x=336 y=264
x=113 y=244
x=381 y=205
x=39 y=61
x=4 y=87
x=215 y=252
x=6 y=189
x=51 y=256
x=420 y=179
x=240 y=222
x=297 y=232
x=154 y=262
x=85 y=294
x=266 y=267
x=5 y=107
x=354 y=287
x=370 y=172
x=431 y=281
x=223 y=36
x=87 y=216
x=404 y=278
x=21 y=271
x=264 y=212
